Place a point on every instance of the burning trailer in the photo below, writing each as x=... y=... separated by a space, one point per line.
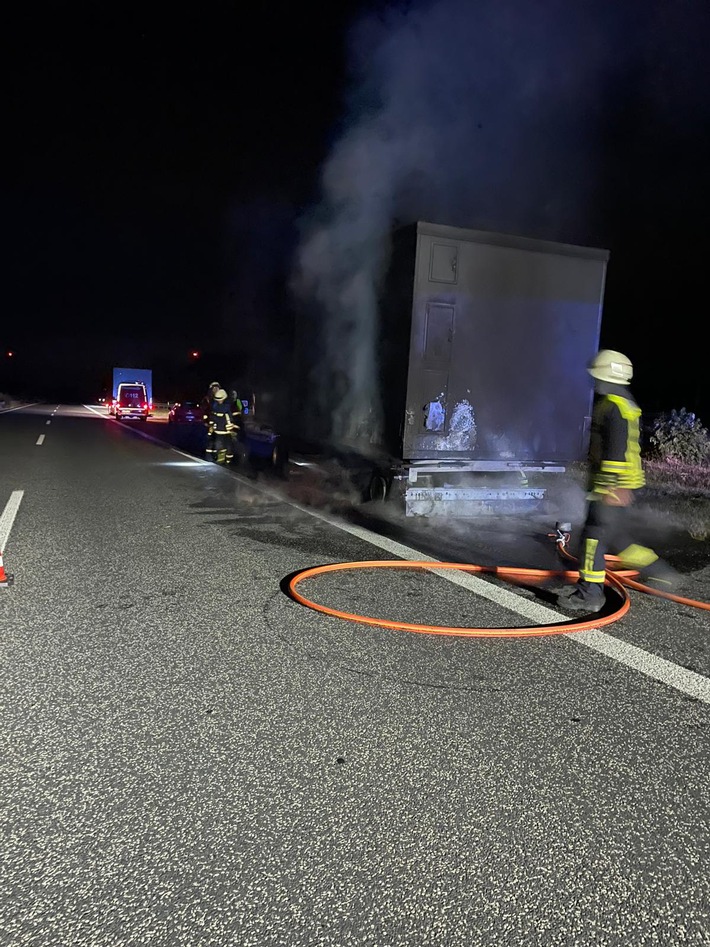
x=468 y=376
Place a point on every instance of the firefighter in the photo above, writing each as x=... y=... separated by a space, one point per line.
x=615 y=472
x=219 y=430
x=237 y=408
x=237 y=435
x=208 y=400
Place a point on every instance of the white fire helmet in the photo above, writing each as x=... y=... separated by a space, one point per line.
x=611 y=366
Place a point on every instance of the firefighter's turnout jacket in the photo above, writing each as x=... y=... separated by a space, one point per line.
x=219 y=420
x=615 y=450
x=219 y=428
x=614 y=465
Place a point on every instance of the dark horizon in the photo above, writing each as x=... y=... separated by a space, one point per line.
x=160 y=188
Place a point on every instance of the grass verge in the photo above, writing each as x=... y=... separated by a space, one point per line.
x=680 y=492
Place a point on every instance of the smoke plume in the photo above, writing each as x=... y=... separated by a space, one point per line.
x=486 y=114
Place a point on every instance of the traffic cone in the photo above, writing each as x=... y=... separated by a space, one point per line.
x=5 y=578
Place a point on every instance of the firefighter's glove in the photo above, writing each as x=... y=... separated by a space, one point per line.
x=618 y=497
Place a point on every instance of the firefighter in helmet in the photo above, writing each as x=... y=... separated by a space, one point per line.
x=615 y=473
x=208 y=400
x=219 y=430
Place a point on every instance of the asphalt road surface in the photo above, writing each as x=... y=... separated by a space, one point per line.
x=189 y=757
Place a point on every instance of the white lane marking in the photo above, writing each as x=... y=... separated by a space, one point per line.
x=19 y=407
x=156 y=440
x=40 y=440
x=666 y=672
x=8 y=517
x=47 y=422
x=195 y=460
x=689 y=682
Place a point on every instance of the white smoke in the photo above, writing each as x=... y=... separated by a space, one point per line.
x=484 y=114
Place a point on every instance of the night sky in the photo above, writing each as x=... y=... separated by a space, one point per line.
x=167 y=168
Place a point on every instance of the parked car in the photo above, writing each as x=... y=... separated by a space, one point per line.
x=185 y=412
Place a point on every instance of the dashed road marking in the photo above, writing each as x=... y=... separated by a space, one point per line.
x=40 y=440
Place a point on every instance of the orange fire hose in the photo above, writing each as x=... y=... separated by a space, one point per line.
x=562 y=628
x=617 y=579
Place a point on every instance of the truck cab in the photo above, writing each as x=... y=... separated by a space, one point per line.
x=131 y=402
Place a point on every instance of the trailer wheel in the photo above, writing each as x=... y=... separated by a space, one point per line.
x=279 y=459
x=377 y=489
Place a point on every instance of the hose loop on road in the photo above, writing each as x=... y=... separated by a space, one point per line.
x=563 y=628
x=617 y=579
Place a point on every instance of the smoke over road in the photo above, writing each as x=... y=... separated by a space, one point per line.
x=473 y=114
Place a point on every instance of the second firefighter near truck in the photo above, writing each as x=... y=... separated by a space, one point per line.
x=219 y=430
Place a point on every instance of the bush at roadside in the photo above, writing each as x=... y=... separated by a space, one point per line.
x=680 y=436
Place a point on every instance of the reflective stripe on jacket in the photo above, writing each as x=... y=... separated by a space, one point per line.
x=220 y=421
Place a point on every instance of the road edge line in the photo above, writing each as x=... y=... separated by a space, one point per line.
x=8 y=517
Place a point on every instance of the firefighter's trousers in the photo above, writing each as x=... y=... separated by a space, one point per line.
x=606 y=530
x=219 y=447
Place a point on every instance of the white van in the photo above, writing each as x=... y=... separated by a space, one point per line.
x=131 y=402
